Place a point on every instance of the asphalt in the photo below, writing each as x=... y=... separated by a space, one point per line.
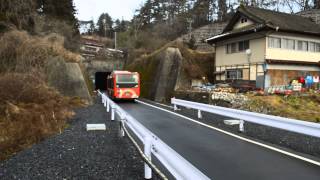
x=218 y=155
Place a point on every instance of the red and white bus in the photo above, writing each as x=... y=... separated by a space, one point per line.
x=123 y=85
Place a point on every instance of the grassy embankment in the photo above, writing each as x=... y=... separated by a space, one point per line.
x=303 y=107
x=30 y=110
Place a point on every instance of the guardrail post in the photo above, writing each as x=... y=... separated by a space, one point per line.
x=147 y=152
x=105 y=102
x=175 y=107
x=108 y=105
x=241 y=126
x=199 y=114
x=122 y=119
x=112 y=113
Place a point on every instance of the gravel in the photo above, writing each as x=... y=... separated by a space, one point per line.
x=78 y=154
x=300 y=144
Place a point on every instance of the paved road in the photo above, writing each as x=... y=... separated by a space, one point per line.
x=217 y=155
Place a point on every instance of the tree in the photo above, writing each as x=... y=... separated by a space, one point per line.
x=316 y=4
x=201 y=12
x=59 y=9
x=222 y=10
x=17 y=12
x=104 y=25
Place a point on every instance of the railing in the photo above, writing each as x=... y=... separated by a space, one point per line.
x=179 y=167
x=302 y=127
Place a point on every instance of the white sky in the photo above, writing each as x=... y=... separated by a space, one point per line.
x=117 y=9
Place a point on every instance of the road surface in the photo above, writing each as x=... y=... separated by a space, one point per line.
x=218 y=155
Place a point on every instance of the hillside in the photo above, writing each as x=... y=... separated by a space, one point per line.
x=171 y=67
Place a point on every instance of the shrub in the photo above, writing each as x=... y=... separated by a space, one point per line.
x=29 y=111
x=21 y=52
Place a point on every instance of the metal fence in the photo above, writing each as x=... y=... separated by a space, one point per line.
x=179 y=167
x=293 y=125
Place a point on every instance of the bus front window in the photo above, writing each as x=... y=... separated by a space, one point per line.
x=127 y=80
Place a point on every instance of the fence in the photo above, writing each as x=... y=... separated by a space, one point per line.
x=302 y=127
x=170 y=159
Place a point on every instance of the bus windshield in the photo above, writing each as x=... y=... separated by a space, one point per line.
x=127 y=79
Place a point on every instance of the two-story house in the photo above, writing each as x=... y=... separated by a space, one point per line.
x=264 y=48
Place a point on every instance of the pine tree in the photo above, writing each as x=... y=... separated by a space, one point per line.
x=104 y=25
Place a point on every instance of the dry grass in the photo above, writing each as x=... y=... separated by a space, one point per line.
x=304 y=107
x=21 y=52
x=30 y=111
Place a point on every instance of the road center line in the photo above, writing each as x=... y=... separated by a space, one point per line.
x=237 y=136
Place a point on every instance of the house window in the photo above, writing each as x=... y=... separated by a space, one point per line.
x=317 y=47
x=303 y=45
x=274 y=42
x=243 y=45
x=237 y=47
x=288 y=44
x=244 y=20
x=312 y=46
x=234 y=74
x=231 y=48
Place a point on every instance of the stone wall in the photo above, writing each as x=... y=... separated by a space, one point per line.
x=203 y=33
x=314 y=14
x=106 y=60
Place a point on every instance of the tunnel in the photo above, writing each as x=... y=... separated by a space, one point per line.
x=100 y=80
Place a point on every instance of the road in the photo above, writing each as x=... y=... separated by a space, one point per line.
x=218 y=155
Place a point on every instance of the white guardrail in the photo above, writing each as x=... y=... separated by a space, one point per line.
x=179 y=167
x=298 y=126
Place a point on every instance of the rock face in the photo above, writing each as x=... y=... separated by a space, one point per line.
x=168 y=69
x=167 y=73
x=67 y=78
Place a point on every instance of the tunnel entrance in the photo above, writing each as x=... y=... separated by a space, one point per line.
x=100 y=80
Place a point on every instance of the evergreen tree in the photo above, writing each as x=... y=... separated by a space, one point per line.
x=316 y=4
x=59 y=9
x=104 y=25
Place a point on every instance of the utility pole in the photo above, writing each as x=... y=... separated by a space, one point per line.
x=105 y=27
x=115 y=39
x=190 y=21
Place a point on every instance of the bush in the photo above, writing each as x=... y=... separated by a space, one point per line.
x=21 y=52
x=29 y=111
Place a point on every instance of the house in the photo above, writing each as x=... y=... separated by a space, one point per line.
x=90 y=46
x=264 y=48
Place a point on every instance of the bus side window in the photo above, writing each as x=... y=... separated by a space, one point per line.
x=110 y=83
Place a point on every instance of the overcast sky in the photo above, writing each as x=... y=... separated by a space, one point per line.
x=117 y=9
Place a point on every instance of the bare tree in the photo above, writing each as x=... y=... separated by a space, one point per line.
x=222 y=9
x=316 y=4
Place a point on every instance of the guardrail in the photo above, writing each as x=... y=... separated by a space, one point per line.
x=179 y=167
x=298 y=126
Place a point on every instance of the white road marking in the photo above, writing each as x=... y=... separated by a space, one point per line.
x=237 y=136
x=164 y=105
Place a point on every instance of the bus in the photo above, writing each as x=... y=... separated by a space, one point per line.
x=123 y=85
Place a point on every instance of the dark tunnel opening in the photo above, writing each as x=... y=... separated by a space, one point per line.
x=101 y=80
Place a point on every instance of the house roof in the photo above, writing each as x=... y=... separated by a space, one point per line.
x=267 y=19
